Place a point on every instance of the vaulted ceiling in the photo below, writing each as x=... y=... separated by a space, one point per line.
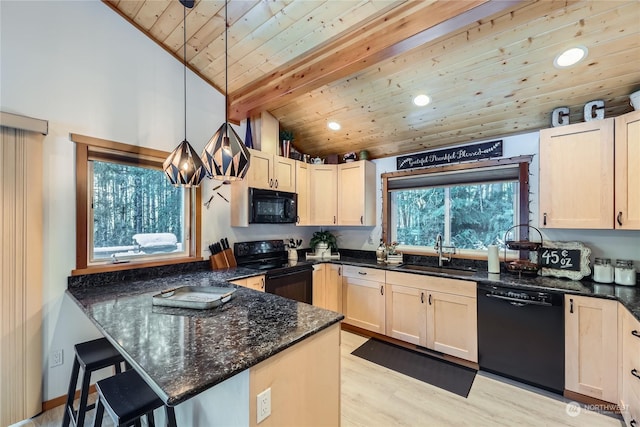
x=486 y=65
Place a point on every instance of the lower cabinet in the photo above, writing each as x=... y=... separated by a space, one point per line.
x=452 y=325
x=255 y=282
x=433 y=312
x=327 y=286
x=591 y=347
x=363 y=301
x=630 y=367
x=406 y=314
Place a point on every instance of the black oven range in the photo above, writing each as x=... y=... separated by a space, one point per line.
x=288 y=279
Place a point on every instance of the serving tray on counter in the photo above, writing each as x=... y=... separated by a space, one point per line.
x=197 y=297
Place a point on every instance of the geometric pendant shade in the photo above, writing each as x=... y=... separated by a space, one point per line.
x=225 y=156
x=183 y=168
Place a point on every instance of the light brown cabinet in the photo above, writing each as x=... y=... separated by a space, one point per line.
x=363 y=300
x=629 y=389
x=255 y=283
x=576 y=175
x=406 y=314
x=303 y=190
x=591 y=347
x=323 y=188
x=579 y=175
x=327 y=286
x=342 y=194
x=627 y=171
x=357 y=193
x=271 y=172
x=434 y=312
x=452 y=325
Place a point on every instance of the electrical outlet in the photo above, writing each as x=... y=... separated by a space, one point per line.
x=264 y=405
x=55 y=358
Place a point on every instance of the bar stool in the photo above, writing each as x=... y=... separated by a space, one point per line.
x=127 y=398
x=91 y=356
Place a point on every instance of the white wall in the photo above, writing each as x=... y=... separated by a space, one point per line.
x=83 y=68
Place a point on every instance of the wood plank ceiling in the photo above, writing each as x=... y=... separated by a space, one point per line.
x=487 y=65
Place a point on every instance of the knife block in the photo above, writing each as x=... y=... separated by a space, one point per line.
x=218 y=261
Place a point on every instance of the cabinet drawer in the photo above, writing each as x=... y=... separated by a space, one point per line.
x=364 y=273
x=433 y=283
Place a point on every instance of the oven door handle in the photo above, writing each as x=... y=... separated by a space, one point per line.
x=519 y=302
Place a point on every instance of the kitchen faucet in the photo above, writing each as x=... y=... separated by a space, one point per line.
x=443 y=256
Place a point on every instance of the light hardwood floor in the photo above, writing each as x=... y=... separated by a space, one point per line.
x=374 y=396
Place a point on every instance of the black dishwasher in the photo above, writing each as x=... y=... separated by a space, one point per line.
x=521 y=335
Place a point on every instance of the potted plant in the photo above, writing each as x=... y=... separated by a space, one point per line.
x=323 y=242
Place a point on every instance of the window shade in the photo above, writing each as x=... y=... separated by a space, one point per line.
x=473 y=176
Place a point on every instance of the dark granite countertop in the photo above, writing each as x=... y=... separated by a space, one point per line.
x=182 y=352
x=629 y=296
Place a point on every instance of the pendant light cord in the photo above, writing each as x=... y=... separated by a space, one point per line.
x=226 y=83
x=184 y=62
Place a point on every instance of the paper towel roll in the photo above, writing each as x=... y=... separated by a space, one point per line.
x=493 y=261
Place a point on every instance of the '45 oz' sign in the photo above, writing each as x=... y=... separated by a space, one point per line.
x=564 y=259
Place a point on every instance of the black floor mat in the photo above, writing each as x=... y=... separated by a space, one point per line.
x=440 y=373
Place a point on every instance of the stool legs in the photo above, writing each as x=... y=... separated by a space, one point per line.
x=68 y=409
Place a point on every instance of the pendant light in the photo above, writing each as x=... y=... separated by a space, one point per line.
x=183 y=167
x=225 y=156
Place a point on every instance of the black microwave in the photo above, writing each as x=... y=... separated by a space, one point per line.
x=272 y=207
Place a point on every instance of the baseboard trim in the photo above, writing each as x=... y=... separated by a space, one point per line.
x=61 y=400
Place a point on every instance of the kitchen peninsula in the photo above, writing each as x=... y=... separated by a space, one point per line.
x=211 y=364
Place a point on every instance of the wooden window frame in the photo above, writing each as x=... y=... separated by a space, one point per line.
x=523 y=163
x=133 y=154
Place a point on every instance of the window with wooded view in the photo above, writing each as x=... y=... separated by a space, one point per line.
x=471 y=205
x=467 y=216
x=136 y=212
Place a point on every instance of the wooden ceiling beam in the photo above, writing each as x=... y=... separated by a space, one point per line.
x=402 y=29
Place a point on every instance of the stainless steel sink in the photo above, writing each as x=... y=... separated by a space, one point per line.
x=443 y=270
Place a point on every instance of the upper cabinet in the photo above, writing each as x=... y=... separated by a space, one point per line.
x=342 y=194
x=576 y=175
x=303 y=190
x=357 y=193
x=583 y=166
x=627 y=171
x=323 y=188
x=271 y=172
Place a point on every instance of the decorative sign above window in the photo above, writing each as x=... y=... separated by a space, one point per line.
x=564 y=259
x=467 y=153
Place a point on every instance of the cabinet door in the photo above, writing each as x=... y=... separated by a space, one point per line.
x=259 y=174
x=576 y=176
x=324 y=184
x=319 y=288
x=333 y=287
x=284 y=174
x=356 y=193
x=591 y=347
x=406 y=314
x=627 y=181
x=630 y=372
x=303 y=190
x=363 y=303
x=452 y=325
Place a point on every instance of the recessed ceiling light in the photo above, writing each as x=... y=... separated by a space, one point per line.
x=570 y=57
x=421 y=100
x=333 y=125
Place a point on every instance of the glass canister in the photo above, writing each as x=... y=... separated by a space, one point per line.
x=625 y=273
x=603 y=270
